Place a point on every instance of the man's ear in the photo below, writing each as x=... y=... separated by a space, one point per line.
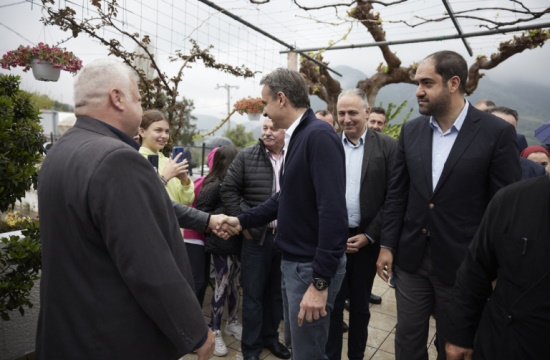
x=115 y=97
x=454 y=84
x=281 y=98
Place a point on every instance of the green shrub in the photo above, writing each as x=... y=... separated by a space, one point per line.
x=21 y=141
x=21 y=150
x=20 y=263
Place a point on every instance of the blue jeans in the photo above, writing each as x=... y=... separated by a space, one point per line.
x=262 y=299
x=309 y=340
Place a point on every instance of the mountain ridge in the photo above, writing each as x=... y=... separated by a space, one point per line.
x=529 y=99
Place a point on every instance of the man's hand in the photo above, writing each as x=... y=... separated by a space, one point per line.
x=384 y=264
x=207 y=349
x=313 y=305
x=458 y=353
x=224 y=226
x=356 y=242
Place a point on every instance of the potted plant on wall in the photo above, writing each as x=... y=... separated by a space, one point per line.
x=253 y=107
x=46 y=62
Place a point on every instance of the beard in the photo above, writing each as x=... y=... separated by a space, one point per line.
x=435 y=106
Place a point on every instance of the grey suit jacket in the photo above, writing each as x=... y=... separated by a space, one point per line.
x=116 y=281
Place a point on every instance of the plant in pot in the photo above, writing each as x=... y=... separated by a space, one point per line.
x=46 y=62
x=253 y=107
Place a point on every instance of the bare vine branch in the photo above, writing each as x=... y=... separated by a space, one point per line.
x=160 y=92
x=527 y=40
x=392 y=72
x=336 y=5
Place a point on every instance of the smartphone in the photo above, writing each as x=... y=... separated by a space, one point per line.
x=178 y=150
x=154 y=160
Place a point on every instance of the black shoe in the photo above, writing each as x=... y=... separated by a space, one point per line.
x=253 y=357
x=279 y=350
x=375 y=299
x=345 y=327
x=346 y=304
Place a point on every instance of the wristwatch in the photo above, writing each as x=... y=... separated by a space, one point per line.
x=320 y=284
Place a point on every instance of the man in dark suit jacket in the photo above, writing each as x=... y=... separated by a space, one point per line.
x=369 y=158
x=116 y=282
x=448 y=166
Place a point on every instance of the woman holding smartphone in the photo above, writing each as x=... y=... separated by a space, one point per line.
x=154 y=133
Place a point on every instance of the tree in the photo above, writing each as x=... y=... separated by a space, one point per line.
x=159 y=91
x=21 y=151
x=392 y=72
x=184 y=128
x=43 y=101
x=21 y=142
x=240 y=137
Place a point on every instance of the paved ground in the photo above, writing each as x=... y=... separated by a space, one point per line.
x=381 y=329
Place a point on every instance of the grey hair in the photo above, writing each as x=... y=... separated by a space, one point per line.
x=94 y=81
x=356 y=92
x=289 y=82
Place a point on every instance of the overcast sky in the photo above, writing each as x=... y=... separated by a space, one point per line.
x=19 y=24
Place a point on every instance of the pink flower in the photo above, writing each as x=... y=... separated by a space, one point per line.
x=57 y=57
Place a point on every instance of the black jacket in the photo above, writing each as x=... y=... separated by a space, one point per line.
x=210 y=201
x=116 y=281
x=249 y=182
x=512 y=245
x=482 y=160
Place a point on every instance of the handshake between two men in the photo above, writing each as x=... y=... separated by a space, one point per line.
x=224 y=226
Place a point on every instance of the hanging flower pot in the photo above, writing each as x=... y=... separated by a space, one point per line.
x=44 y=71
x=38 y=58
x=253 y=107
x=253 y=116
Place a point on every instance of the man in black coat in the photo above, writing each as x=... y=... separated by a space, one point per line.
x=449 y=164
x=252 y=178
x=512 y=245
x=116 y=281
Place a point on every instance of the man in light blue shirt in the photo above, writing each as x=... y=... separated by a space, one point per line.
x=448 y=165
x=369 y=156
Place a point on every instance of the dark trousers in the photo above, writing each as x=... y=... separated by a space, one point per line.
x=262 y=300
x=200 y=266
x=417 y=295
x=357 y=286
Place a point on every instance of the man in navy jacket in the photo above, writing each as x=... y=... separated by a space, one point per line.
x=449 y=163
x=311 y=213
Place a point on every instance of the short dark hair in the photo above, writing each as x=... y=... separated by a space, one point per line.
x=289 y=82
x=448 y=64
x=378 y=110
x=503 y=110
x=323 y=112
